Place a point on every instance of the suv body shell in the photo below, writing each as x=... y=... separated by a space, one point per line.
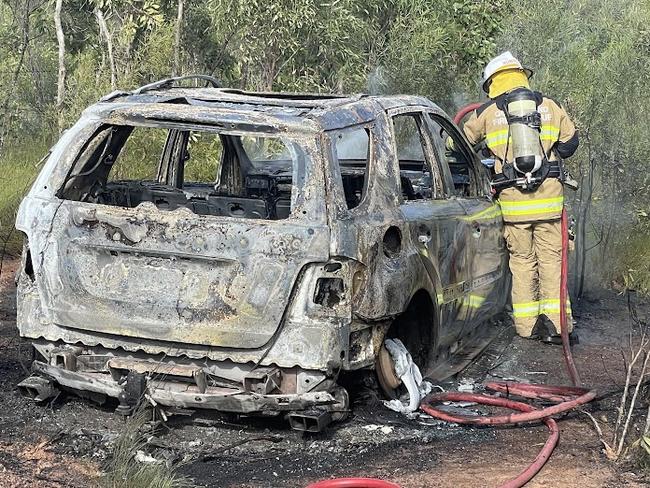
x=254 y=315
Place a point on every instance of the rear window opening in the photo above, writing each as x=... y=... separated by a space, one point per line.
x=209 y=173
x=352 y=151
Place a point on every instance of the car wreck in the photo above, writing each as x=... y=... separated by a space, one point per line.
x=212 y=248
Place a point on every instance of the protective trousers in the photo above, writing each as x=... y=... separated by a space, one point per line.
x=535 y=262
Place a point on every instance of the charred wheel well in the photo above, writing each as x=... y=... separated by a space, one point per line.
x=416 y=327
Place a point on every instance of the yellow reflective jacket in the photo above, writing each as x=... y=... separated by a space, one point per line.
x=489 y=123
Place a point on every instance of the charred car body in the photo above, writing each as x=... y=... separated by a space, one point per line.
x=237 y=251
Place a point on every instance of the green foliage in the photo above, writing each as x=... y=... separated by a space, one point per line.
x=205 y=151
x=435 y=48
x=283 y=45
x=596 y=62
x=18 y=168
x=632 y=264
x=140 y=156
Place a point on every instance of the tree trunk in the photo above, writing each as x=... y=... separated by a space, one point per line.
x=103 y=31
x=269 y=72
x=60 y=38
x=176 y=70
x=22 y=49
x=243 y=80
x=581 y=238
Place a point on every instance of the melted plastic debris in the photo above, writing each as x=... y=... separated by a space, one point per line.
x=411 y=377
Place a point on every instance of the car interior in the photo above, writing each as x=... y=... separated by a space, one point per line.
x=208 y=173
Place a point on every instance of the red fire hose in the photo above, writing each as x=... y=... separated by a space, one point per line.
x=464 y=111
x=564 y=397
x=564 y=292
x=354 y=483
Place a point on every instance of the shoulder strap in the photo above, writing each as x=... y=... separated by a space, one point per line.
x=484 y=107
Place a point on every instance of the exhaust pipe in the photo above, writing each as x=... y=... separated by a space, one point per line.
x=310 y=420
x=37 y=388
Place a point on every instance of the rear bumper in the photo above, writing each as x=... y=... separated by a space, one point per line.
x=316 y=346
x=185 y=395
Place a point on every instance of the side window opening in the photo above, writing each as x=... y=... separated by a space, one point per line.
x=352 y=152
x=139 y=156
x=450 y=150
x=416 y=177
x=207 y=172
x=257 y=176
x=202 y=158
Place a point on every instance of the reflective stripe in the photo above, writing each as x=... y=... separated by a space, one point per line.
x=497 y=138
x=492 y=212
x=528 y=309
x=533 y=309
x=532 y=207
x=473 y=301
x=549 y=133
x=500 y=137
x=552 y=305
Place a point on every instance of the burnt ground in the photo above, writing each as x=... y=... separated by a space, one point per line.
x=65 y=442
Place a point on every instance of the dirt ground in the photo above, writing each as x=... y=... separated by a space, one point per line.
x=66 y=442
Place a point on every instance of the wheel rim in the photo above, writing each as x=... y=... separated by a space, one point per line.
x=388 y=379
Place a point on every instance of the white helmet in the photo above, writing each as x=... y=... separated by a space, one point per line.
x=502 y=62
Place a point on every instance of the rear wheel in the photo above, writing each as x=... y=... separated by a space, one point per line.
x=388 y=379
x=415 y=328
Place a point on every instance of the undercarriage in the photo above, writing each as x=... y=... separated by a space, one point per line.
x=308 y=398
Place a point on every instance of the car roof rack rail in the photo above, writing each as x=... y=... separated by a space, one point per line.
x=169 y=83
x=164 y=83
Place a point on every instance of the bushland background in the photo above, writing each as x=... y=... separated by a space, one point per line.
x=59 y=56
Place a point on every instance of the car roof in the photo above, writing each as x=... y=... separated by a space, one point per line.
x=290 y=111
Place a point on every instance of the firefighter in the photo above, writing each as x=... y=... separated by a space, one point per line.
x=531 y=208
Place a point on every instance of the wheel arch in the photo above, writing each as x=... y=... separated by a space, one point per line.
x=418 y=327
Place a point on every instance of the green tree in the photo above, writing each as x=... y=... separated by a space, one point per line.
x=597 y=63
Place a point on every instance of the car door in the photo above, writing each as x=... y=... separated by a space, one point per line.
x=468 y=183
x=436 y=223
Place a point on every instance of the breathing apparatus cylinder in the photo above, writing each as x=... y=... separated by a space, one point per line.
x=525 y=121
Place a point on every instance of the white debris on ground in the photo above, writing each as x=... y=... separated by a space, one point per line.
x=384 y=429
x=411 y=377
x=142 y=457
x=466 y=385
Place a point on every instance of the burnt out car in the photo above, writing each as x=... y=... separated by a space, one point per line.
x=219 y=249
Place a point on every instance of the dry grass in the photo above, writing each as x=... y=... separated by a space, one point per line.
x=18 y=168
x=124 y=471
x=635 y=352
